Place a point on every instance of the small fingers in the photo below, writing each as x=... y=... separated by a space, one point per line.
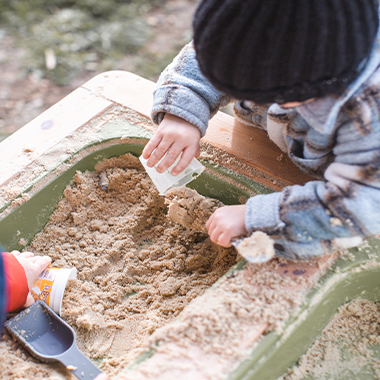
x=158 y=154
x=214 y=236
x=151 y=146
x=223 y=225
x=214 y=220
x=214 y=230
x=224 y=240
x=42 y=262
x=220 y=237
x=187 y=155
x=171 y=155
x=209 y=222
x=29 y=300
x=147 y=151
x=37 y=264
x=25 y=255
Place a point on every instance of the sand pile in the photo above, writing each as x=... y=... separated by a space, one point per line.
x=137 y=270
x=141 y=260
x=190 y=209
x=218 y=330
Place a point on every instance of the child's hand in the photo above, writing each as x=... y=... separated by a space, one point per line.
x=33 y=266
x=226 y=223
x=173 y=136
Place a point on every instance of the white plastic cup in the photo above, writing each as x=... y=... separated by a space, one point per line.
x=165 y=181
x=50 y=286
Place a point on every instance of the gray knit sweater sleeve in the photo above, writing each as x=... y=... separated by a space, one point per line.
x=183 y=91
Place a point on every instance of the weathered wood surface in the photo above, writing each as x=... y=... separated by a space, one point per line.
x=250 y=145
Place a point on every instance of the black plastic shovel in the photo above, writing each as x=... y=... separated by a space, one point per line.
x=49 y=338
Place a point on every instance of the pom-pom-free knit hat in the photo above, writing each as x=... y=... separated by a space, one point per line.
x=283 y=50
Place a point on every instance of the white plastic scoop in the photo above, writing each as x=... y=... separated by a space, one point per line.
x=165 y=181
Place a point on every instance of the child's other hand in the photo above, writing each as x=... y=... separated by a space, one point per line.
x=33 y=266
x=226 y=223
x=173 y=136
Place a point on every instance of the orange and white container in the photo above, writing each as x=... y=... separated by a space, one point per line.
x=50 y=286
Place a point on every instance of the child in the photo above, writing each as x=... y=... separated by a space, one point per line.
x=17 y=274
x=18 y=271
x=316 y=64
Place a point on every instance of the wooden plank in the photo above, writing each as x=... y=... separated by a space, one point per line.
x=31 y=141
x=252 y=146
x=124 y=88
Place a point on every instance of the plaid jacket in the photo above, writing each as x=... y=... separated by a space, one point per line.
x=335 y=139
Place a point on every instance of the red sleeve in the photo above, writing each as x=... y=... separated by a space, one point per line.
x=16 y=284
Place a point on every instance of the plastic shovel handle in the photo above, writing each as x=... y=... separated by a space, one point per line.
x=79 y=364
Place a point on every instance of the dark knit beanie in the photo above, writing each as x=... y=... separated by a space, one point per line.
x=283 y=50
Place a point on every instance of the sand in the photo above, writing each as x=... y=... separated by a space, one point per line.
x=16 y=363
x=137 y=270
x=190 y=209
x=258 y=247
x=345 y=348
x=143 y=260
x=218 y=330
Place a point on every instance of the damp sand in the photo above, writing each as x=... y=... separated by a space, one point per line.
x=137 y=270
x=346 y=347
x=189 y=208
x=218 y=330
x=192 y=210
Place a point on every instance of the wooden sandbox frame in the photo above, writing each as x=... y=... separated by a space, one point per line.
x=86 y=109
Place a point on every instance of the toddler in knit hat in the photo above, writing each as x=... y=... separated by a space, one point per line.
x=313 y=69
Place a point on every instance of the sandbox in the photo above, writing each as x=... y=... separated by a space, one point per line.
x=193 y=310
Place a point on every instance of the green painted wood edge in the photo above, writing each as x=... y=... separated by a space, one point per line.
x=256 y=187
x=30 y=217
x=346 y=280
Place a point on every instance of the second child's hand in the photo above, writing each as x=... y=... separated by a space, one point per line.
x=173 y=137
